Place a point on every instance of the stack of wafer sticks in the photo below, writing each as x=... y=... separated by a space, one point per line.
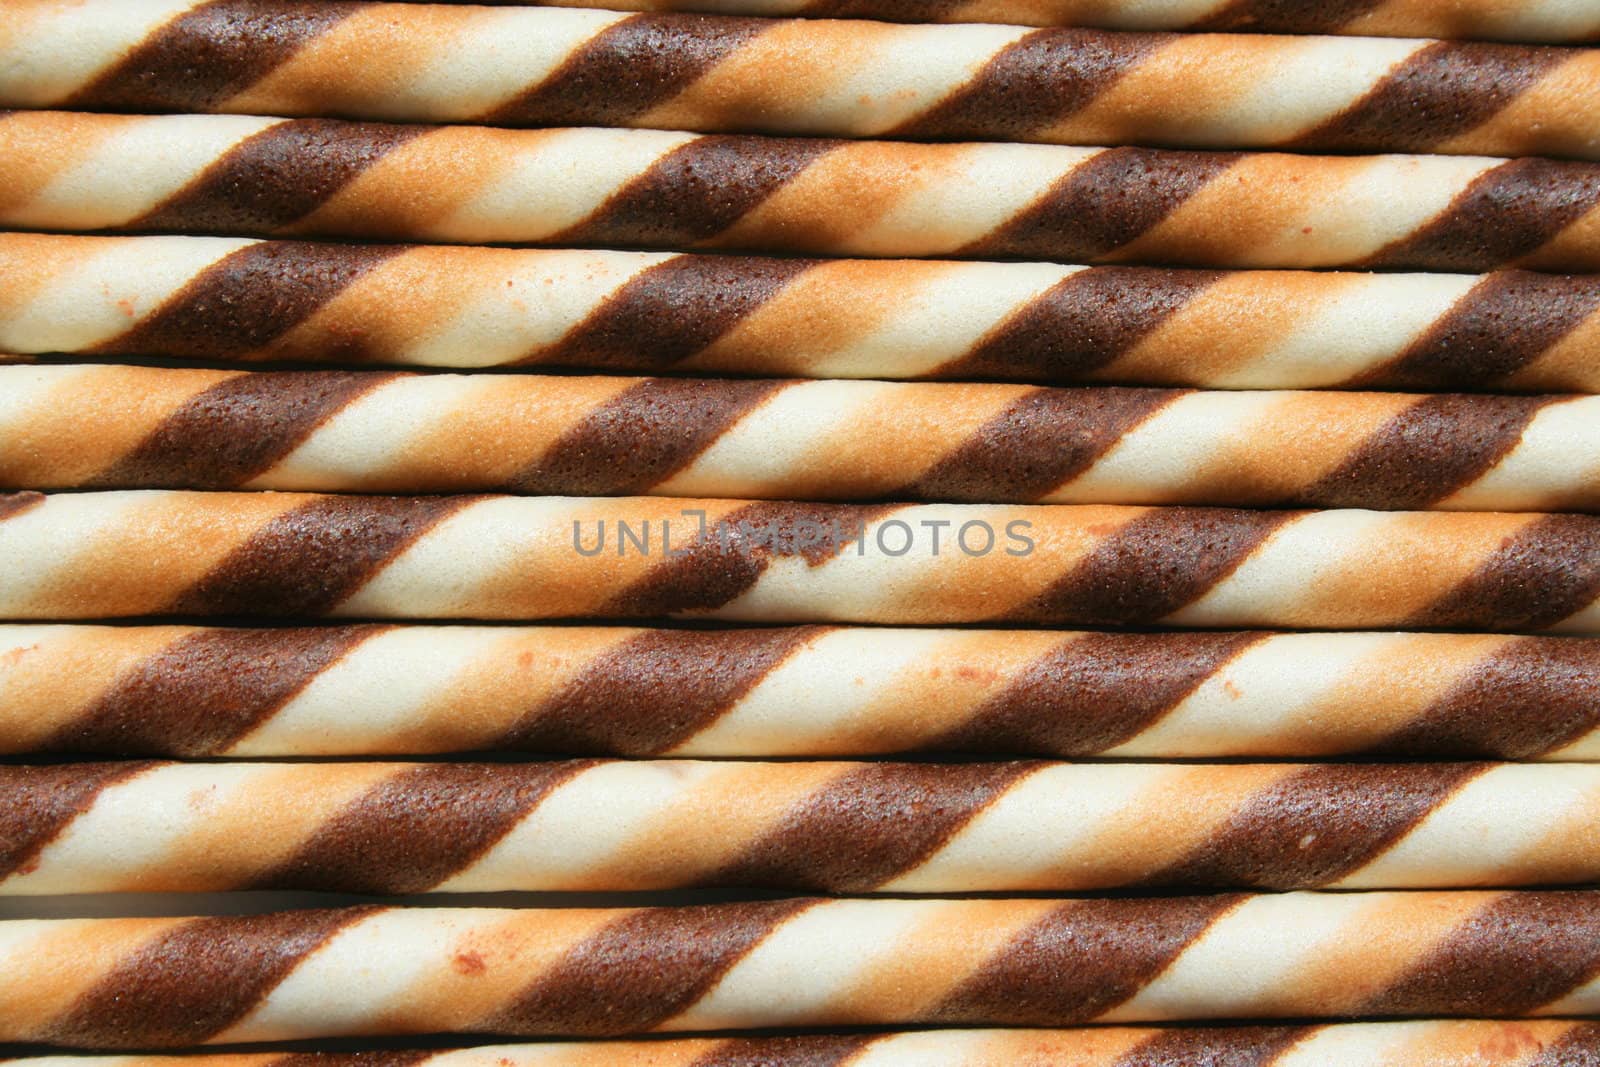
x=952 y=532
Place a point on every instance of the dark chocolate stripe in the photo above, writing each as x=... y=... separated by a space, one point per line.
x=1528 y=697
x=869 y=826
x=1153 y=566
x=655 y=690
x=1233 y=1046
x=205 y=691
x=696 y=191
x=1518 y=953
x=37 y=803
x=412 y=831
x=811 y=1050
x=1317 y=825
x=248 y=299
x=309 y=560
x=642 y=969
x=1032 y=84
x=638 y=439
x=276 y=177
x=1578 y=1047
x=731 y=557
x=628 y=68
x=1038 y=443
x=671 y=311
x=1285 y=16
x=1539 y=576
x=388 y=1058
x=197 y=980
x=1500 y=326
x=893 y=10
x=1438 y=92
x=1104 y=203
x=234 y=431
x=1428 y=451
x=1080 y=961
x=14 y=504
x=207 y=54
x=1094 y=692
x=1503 y=215
x=1084 y=322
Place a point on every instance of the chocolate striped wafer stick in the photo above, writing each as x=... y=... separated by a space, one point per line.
x=233 y=299
x=586 y=825
x=1430 y=1043
x=551 y=67
x=148 y=983
x=117 y=554
x=1509 y=20
x=240 y=174
x=76 y=427
x=587 y=691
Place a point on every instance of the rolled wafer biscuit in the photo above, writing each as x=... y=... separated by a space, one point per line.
x=552 y=67
x=830 y=827
x=621 y=691
x=104 y=427
x=242 y=174
x=1508 y=20
x=150 y=983
x=135 y=553
x=1430 y=1043
x=235 y=299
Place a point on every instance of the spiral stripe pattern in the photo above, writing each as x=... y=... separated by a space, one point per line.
x=542 y=67
x=241 y=174
x=221 y=299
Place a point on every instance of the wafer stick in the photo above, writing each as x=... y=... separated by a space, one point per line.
x=585 y=825
x=233 y=174
x=148 y=983
x=550 y=67
x=1433 y=1043
x=232 y=299
x=75 y=427
x=1509 y=20
x=587 y=691
x=118 y=554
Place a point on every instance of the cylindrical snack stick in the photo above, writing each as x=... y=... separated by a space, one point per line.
x=138 y=553
x=813 y=691
x=1506 y=20
x=240 y=300
x=539 y=67
x=586 y=825
x=116 y=427
x=249 y=175
x=150 y=983
x=1430 y=1043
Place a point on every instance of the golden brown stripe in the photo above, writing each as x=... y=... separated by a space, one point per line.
x=1235 y=1046
x=205 y=691
x=1285 y=16
x=811 y=1050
